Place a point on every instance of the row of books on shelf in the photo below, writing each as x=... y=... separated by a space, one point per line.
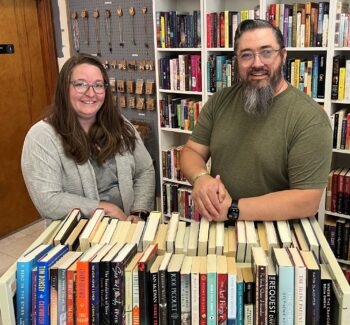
x=342 y=26
x=178 y=29
x=338 y=191
x=308 y=75
x=302 y=24
x=340 y=78
x=178 y=112
x=221 y=26
x=171 y=164
x=340 y=122
x=160 y=278
x=179 y=198
x=337 y=233
x=221 y=72
x=181 y=73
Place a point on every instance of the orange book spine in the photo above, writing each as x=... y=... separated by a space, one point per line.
x=82 y=293
x=70 y=297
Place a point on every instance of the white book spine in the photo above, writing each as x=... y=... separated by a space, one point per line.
x=231 y=296
x=300 y=296
x=195 y=298
x=347 y=80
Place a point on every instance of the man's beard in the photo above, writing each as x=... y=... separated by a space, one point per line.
x=259 y=100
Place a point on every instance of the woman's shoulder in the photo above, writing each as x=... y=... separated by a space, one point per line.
x=41 y=130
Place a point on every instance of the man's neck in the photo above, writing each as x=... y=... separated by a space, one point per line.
x=283 y=85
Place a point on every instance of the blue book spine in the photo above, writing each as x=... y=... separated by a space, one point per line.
x=43 y=287
x=211 y=299
x=286 y=295
x=240 y=307
x=231 y=299
x=314 y=83
x=24 y=288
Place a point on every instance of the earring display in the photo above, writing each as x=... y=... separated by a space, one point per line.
x=144 y=12
x=85 y=15
x=132 y=15
x=121 y=86
x=75 y=28
x=140 y=103
x=131 y=102
x=131 y=86
x=96 y=15
x=122 y=101
x=139 y=86
x=150 y=104
x=112 y=83
x=108 y=28
x=119 y=12
x=149 y=87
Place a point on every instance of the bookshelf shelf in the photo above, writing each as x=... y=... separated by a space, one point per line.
x=335 y=214
x=343 y=261
x=176 y=130
x=306 y=49
x=345 y=152
x=178 y=49
x=169 y=91
x=169 y=180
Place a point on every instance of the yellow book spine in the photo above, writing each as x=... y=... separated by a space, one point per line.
x=162 y=31
x=341 y=86
x=296 y=72
x=226 y=29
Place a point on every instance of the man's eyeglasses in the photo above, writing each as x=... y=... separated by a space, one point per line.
x=266 y=56
x=82 y=86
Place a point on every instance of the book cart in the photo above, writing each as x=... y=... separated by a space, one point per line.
x=340 y=286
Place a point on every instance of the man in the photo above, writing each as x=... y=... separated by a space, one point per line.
x=269 y=144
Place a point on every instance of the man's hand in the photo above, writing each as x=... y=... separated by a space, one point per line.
x=210 y=197
x=133 y=218
x=112 y=210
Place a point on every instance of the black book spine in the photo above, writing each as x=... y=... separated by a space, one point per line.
x=327 y=299
x=313 y=297
x=105 y=293
x=174 y=298
x=163 y=300
x=155 y=298
x=117 y=285
x=144 y=289
x=272 y=300
x=95 y=293
x=339 y=235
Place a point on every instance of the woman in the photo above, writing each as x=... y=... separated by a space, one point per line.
x=84 y=153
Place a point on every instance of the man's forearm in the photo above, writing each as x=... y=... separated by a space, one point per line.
x=192 y=164
x=282 y=205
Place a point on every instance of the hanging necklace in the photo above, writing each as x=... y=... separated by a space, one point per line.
x=108 y=28
x=119 y=12
x=144 y=11
x=84 y=14
x=132 y=14
x=96 y=15
x=75 y=28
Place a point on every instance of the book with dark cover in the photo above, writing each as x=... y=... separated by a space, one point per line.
x=339 y=235
x=313 y=288
x=338 y=61
x=321 y=76
x=144 y=266
x=155 y=289
x=248 y=295
x=174 y=289
x=163 y=300
x=67 y=226
x=272 y=305
x=117 y=284
x=327 y=296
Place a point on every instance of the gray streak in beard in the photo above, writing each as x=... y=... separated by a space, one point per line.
x=257 y=101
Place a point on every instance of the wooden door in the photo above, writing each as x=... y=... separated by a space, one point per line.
x=27 y=79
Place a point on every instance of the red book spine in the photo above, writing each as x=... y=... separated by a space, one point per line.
x=334 y=192
x=222 y=298
x=70 y=297
x=208 y=30
x=83 y=297
x=221 y=40
x=203 y=299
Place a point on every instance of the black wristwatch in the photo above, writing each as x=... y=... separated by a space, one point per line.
x=233 y=211
x=141 y=214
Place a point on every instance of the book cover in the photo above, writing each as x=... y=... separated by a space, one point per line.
x=222 y=289
x=163 y=289
x=327 y=300
x=203 y=291
x=185 y=290
x=248 y=295
x=231 y=291
x=195 y=275
x=212 y=311
x=25 y=264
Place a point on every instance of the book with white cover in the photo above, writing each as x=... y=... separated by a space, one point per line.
x=284 y=233
x=136 y=238
x=271 y=235
x=310 y=236
x=152 y=224
x=107 y=235
x=186 y=240
x=220 y=238
x=90 y=229
x=172 y=230
x=299 y=286
x=203 y=237
x=252 y=239
x=241 y=240
x=193 y=239
x=195 y=272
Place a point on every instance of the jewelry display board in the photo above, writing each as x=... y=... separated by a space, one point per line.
x=120 y=33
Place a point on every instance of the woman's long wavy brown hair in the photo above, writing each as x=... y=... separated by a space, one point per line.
x=109 y=135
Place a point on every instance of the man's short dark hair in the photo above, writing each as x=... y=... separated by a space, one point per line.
x=250 y=24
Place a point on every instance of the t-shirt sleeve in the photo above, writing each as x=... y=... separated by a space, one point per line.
x=310 y=157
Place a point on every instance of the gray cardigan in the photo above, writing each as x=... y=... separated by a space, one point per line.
x=56 y=183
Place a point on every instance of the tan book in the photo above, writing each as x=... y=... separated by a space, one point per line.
x=219 y=238
x=231 y=231
x=186 y=240
x=161 y=238
x=225 y=242
x=284 y=233
x=300 y=237
x=73 y=238
x=203 y=237
x=252 y=239
x=100 y=230
x=131 y=231
x=179 y=239
x=172 y=230
x=107 y=235
x=90 y=229
x=195 y=274
x=241 y=240
x=67 y=226
x=193 y=239
x=310 y=236
x=212 y=238
x=185 y=285
x=151 y=228
x=136 y=238
x=263 y=237
x=329 y=190
x=271 y=235
x=121 y=232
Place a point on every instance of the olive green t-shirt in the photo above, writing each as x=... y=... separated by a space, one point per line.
x=288 y=148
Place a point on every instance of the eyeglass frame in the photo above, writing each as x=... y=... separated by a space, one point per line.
x=258 y=53
x=89 y=85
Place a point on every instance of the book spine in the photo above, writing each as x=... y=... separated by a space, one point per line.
x=222 y=298
x=95 y=293
x=83 y=295
x=62 y=296
x=174 y=299
x=117 y=286
x=24 y=292
x=195 y=298
x=163 y=303
x=70 y=297
x=105 y=274
x=155 y=298
x=326 y=307
x=272 y=300
x=313 y=297
x=231 y=298
x=185 y=306
x=211 y=299
x=261 y=294
x=240 y=303
x=203 y=299
x=286 y=296
x=135 y=299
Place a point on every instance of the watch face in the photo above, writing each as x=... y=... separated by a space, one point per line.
x=233 y=213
